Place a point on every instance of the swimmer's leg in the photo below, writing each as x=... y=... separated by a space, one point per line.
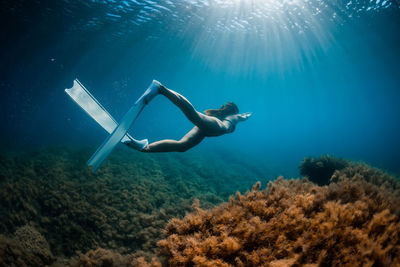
x=185 y=106
x=191 y=139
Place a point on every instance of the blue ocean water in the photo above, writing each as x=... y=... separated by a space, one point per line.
x=321 y=77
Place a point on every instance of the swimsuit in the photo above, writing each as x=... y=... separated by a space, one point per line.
x=233 y=126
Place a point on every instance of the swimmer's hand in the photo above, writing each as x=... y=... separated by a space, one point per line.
x=244 y=116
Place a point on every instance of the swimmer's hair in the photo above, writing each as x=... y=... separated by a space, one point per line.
x=229 y=108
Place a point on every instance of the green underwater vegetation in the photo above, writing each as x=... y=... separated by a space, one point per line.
x=182 y=210
x=123 y=207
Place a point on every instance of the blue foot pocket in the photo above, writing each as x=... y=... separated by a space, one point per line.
x=150 y=93
x=137 y=144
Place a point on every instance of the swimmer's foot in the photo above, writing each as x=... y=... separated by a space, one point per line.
x=137 y=144
x=152 y=91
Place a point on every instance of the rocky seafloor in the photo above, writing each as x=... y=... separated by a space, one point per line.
x=182 y=210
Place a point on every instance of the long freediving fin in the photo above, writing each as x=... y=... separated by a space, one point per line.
x=93 y=108
x=119 y=132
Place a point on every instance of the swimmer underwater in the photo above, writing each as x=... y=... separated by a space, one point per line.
x=214 y=122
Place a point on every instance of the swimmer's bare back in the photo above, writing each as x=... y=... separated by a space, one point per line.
x=205 y=125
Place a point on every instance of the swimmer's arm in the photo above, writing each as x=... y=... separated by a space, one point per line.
x=232 y=120
x=244 y=116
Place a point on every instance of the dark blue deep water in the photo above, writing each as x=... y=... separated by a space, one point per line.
x=320 y=76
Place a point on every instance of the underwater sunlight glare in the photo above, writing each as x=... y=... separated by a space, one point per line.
x=260 y=34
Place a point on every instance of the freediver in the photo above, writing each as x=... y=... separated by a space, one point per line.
x=214 y=122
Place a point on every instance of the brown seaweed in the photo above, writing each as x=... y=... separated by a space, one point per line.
x=52 y=208
x=27 y=247
x=351 y=222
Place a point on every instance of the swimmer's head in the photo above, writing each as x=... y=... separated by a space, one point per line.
x=224 y=111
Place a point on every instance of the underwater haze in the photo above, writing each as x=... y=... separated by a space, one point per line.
x=321 y=78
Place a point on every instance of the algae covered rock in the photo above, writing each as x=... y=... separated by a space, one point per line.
x=320 y=170
x=26 y=248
